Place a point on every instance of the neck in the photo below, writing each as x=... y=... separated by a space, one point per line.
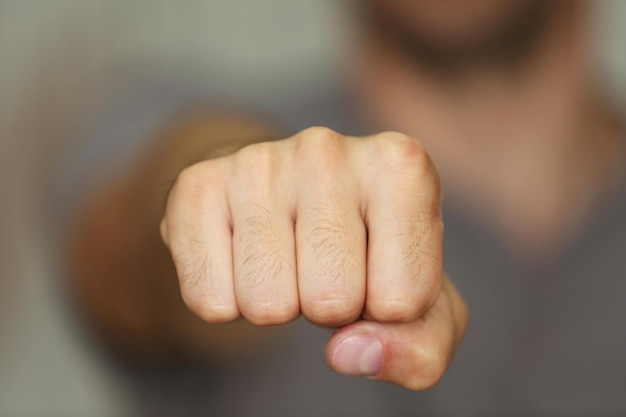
x=528 y=148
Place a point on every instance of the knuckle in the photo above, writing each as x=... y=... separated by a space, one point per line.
x=398 y=309
x=320 y=145
x=429 y=290
x=189 y=180
x=430 y=283
x=209 y=311
x=271 y=312
x=332 y=311
x=431 y=361
x=256 y=154
x=194 y=184
x=402 y=152
x=403 y=305
x=197 y=274
x=257 y=167
x=319 y=134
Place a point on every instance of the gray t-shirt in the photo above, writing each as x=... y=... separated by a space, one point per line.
x=544 y=339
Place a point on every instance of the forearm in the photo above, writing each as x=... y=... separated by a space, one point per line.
x=122 y=273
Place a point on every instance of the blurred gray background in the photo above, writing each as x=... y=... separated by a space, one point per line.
x=58 y=60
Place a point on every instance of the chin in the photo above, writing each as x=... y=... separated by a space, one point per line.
x=458 y=25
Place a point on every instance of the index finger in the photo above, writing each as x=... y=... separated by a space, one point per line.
x=405 y=231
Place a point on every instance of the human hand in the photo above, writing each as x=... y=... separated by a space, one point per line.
x=346 y=231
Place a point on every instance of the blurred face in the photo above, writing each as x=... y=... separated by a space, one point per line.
x=453 y=30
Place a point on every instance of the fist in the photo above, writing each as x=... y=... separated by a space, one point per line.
x=345 y=231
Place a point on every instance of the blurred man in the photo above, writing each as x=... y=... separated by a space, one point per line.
x=346 y=231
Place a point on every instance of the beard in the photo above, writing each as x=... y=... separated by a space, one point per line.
x=504 y=40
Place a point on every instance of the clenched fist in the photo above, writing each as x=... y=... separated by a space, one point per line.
x=345 y=231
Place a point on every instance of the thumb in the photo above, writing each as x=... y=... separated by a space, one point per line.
x=413 y=355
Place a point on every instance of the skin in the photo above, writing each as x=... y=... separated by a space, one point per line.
x=331 y=227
